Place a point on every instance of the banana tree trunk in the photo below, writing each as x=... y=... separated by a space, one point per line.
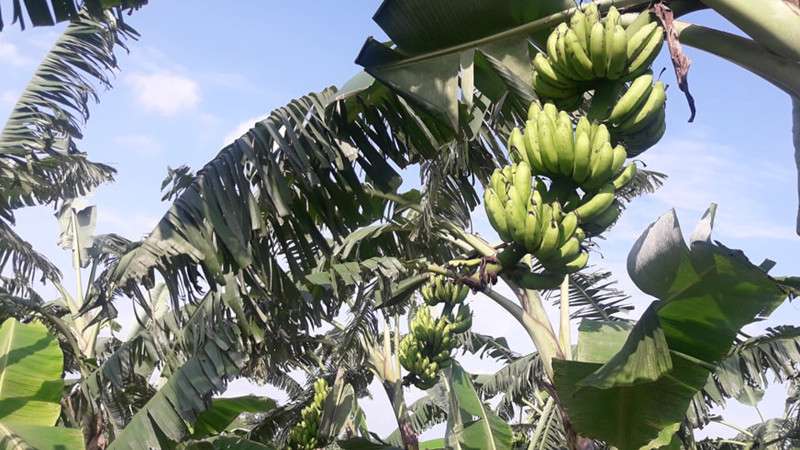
x=796 y=133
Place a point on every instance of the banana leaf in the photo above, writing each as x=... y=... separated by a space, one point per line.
x=31 y=363
x=638 y=397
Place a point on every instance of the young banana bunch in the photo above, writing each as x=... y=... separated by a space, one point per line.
x=426 y=349
x=303 y=436
x=441 y=289
x=519 y=214
x=637 y=118
x=591 y=48
x=583 y=155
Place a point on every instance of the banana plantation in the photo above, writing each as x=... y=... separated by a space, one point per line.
x=330 y=252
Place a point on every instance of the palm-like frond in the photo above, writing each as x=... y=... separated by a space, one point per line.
x=39 y=159
x=744 y=373
x=25 y=262
x=644 y=182
x=595 y=296
x=39 y=12
x=515 y=382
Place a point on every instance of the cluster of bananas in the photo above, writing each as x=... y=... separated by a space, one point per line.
x=441 y=289
x=519 y=213
x=590 y=48
x=637 y=118
x=303 y=435
x=554 y=149
x=426 y=349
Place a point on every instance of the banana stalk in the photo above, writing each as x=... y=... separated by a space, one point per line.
x=743 y=52
x=774 y=24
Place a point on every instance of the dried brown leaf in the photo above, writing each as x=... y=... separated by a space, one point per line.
x=680 y=61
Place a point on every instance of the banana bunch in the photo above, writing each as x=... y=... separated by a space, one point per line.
x=554 y=238
x=303 y=435
x=426 y=349
x=589 y=48
x=519 y=214
x=461 y=321
x=551 y=147
x=441 y=289
x=637 y=118
x=506 y=199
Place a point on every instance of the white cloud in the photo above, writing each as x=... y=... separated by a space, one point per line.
x=242 y=128
x=164 y=93
x=702 y=171
x=139 y=144
x=8 y=98
x=10 y=54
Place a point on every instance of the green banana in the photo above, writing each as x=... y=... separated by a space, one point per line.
x=565 y=144
x=596 y=204
x=583 y=153
x=578 y=24
x=550 y=111
x=600 y=137
x=543 y=67
x=533 y=111
x=601 y=166
x=578 y=263
x=645 y=58
x=583 y=126
x=522 y=182
x=532 y=147
x=617 y=51
x=592 y=14
x=625 y=177
x=639 y=40
x=639 y=142
x=546 y=141
x=605 y=219
x=597 y=42
x=561 y=50
x=531 y=231
x=568 y=250
x=636 y=94
x=495 y=211
x=640 y=21
x=579 y=60
x=544 y=88
x=569 y=224
x=550 y=242
x=516 y=145
x=552 y=49
x=648 y=112
x=619 y=159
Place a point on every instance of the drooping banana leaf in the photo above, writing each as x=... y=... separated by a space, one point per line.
x=639 y=396
x=39 y=11
x=223 y=413
x=451 y=45
x=30 y=389
x=471 y=423
x=39 y=159
x=207 y=351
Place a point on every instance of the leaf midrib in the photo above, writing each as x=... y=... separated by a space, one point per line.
x=9 y=335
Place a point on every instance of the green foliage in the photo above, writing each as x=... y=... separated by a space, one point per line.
x=470 y=422
x=30 y=389
x=640 y=395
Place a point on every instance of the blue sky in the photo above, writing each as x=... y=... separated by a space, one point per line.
x=199 y=76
